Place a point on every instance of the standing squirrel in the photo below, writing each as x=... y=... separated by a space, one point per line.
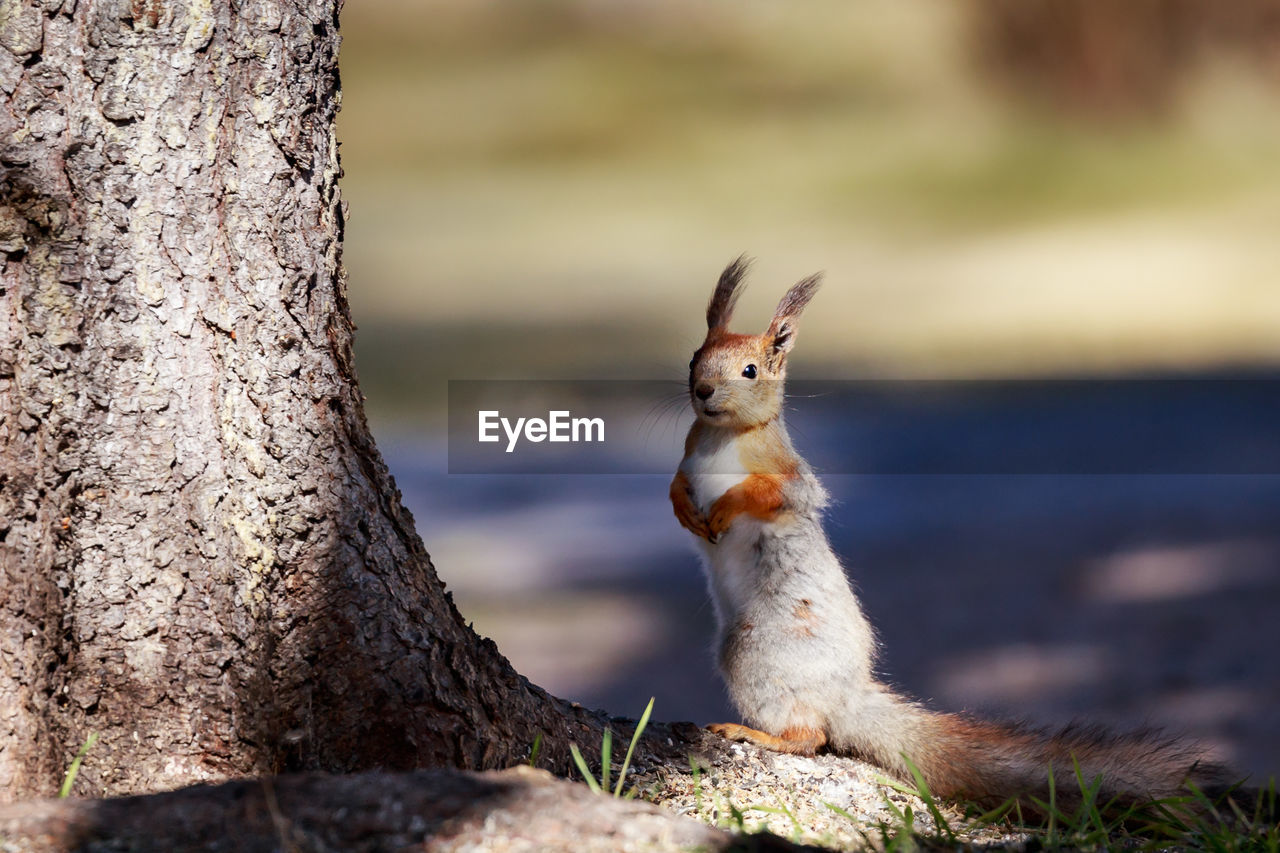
x=793 y=644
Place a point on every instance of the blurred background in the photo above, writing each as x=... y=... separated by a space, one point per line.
x=995 y=188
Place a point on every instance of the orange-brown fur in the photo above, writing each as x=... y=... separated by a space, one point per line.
x=759 y=495
x=686 y=512
x=797 y=740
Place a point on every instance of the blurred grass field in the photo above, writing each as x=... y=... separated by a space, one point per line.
x=552 y=187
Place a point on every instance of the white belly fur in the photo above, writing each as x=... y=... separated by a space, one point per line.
x=712 y=472
x=730 y=563
x=731 y=566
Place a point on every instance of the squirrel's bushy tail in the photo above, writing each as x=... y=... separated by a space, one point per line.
x=962 y=758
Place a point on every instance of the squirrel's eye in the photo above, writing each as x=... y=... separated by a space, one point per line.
x=749 y=371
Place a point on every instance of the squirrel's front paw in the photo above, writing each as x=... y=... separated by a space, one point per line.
x=697 y=525
x=718 y=520
x=692 y=520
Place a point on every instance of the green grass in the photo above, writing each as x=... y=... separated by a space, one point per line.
x=606 y=757
x=1191 y=822
x=70 y=778
x=535 y=750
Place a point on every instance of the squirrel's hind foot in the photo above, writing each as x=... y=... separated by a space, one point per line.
x=797 y=740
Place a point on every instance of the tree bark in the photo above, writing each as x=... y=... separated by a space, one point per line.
x=203 y=557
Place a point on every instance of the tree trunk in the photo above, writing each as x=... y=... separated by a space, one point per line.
x=203 y=557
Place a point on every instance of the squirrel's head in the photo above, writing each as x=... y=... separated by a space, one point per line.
x=736 y=380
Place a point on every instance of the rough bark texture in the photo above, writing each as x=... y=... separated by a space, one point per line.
x=519 y=809
x=202 y=555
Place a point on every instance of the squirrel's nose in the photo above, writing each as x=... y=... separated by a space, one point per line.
x=704 y=391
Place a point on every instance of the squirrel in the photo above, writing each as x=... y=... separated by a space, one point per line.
x=793 y=646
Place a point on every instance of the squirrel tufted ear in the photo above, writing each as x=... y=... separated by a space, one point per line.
x=782 y=331
x=725 y=296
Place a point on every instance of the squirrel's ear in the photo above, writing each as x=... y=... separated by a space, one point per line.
x=782 y=331
x=725 y=296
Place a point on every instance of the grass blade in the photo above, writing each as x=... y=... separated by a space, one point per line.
x=739 y=819
x=922 y=791
x=1051 y=833
x=74 y=769
x=1089 y=812
x=996 y=815
x=606 y=758
x=842 y=812
x=631 y=748
x=535 y=750
x=582 y=768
